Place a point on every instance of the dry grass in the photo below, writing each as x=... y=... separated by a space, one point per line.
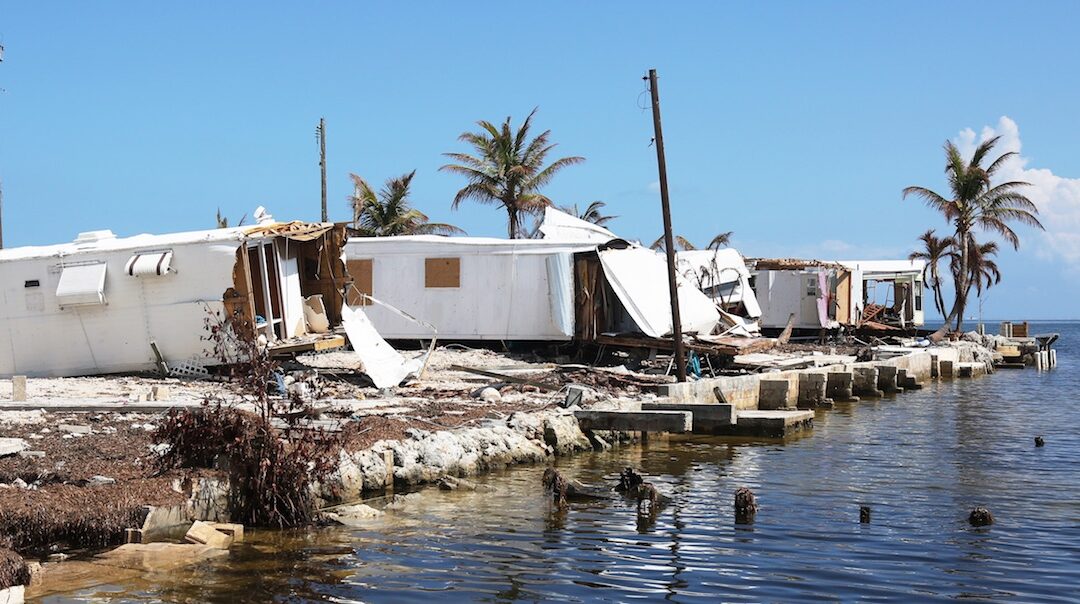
x=72 y=516
x=13 y=569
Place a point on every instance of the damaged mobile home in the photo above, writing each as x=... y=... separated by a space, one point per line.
x=580 y=282
x=105 y=304
x=817 y=295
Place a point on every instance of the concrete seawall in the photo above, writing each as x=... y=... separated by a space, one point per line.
x=761 y=390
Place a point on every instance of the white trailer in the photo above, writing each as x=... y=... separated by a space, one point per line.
x=102 y=304
x=828 y=295
x=578 y=282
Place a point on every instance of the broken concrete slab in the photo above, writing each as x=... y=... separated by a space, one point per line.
x=636 y=421
x=12 y=446
x=203 y=533
x=75 y=428
x=163 y=519
x=31 y=454
x=771 y=423
x=233 y=529
x=159 y=556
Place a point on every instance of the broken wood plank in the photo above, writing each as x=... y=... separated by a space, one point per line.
x=507 y=378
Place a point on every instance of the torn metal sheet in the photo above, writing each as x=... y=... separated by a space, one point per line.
x=385 y=366
x=638 y=275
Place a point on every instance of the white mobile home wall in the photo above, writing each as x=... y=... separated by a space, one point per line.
x=39 y=338
x=507 y=289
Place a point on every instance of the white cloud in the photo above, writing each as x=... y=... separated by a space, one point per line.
x=836 y=246
x=1057 y=197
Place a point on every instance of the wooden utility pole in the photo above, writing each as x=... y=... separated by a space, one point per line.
x=669 y=239
x=321 y=133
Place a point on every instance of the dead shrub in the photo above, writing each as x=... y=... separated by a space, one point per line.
x=271 y=468
x=13 y=569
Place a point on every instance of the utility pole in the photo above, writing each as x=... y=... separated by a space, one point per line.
x=669 y=243
x=320 y=133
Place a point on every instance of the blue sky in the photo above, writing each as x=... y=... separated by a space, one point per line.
x=795 y=125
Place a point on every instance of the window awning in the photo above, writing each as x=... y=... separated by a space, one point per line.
x=149 y=264
x=81 y=285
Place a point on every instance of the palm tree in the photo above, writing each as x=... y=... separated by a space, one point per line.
x=935 y=249
x=507 y=170
x=984 y=271
x=721 y=240
x=681 y=244
x=389 y=212
x=977 y=204
x=591 y=214
x=684 y=244
x=223 y=221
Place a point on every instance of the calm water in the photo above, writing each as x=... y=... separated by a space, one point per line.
x=921 y=461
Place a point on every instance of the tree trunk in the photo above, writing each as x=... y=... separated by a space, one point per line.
x=512 y=219
x=962 y=281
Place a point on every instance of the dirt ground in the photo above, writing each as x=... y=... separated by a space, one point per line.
x=87 y=473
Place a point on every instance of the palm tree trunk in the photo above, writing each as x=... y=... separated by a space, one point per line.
x=512 y=219
x=962 y=281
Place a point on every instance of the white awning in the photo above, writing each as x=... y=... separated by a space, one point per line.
x=149 y=263
x=82 y=284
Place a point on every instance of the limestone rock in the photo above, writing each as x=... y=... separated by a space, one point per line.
x=563 y=435
x=11 y=446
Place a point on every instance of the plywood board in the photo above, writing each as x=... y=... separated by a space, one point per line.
x=361 y=270
x=442 y=272
x=843 y=298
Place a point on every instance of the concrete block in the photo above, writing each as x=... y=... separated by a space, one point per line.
x=203 y=533
x=31 y=454
x=887 y=379
x=18 y=388
x=813 y=391
x=75 y=429
x=160 y=393
x=947 y=369
x=865 y=382
x=773 y=394
x=232 y=529
x=838 y=386
x=162 y=519
x=906 y=381
x=636 y=421
x=707 y=417
x=935 y=366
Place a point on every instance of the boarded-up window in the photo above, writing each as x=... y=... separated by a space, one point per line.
x=360 y=270
x=442 y=272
